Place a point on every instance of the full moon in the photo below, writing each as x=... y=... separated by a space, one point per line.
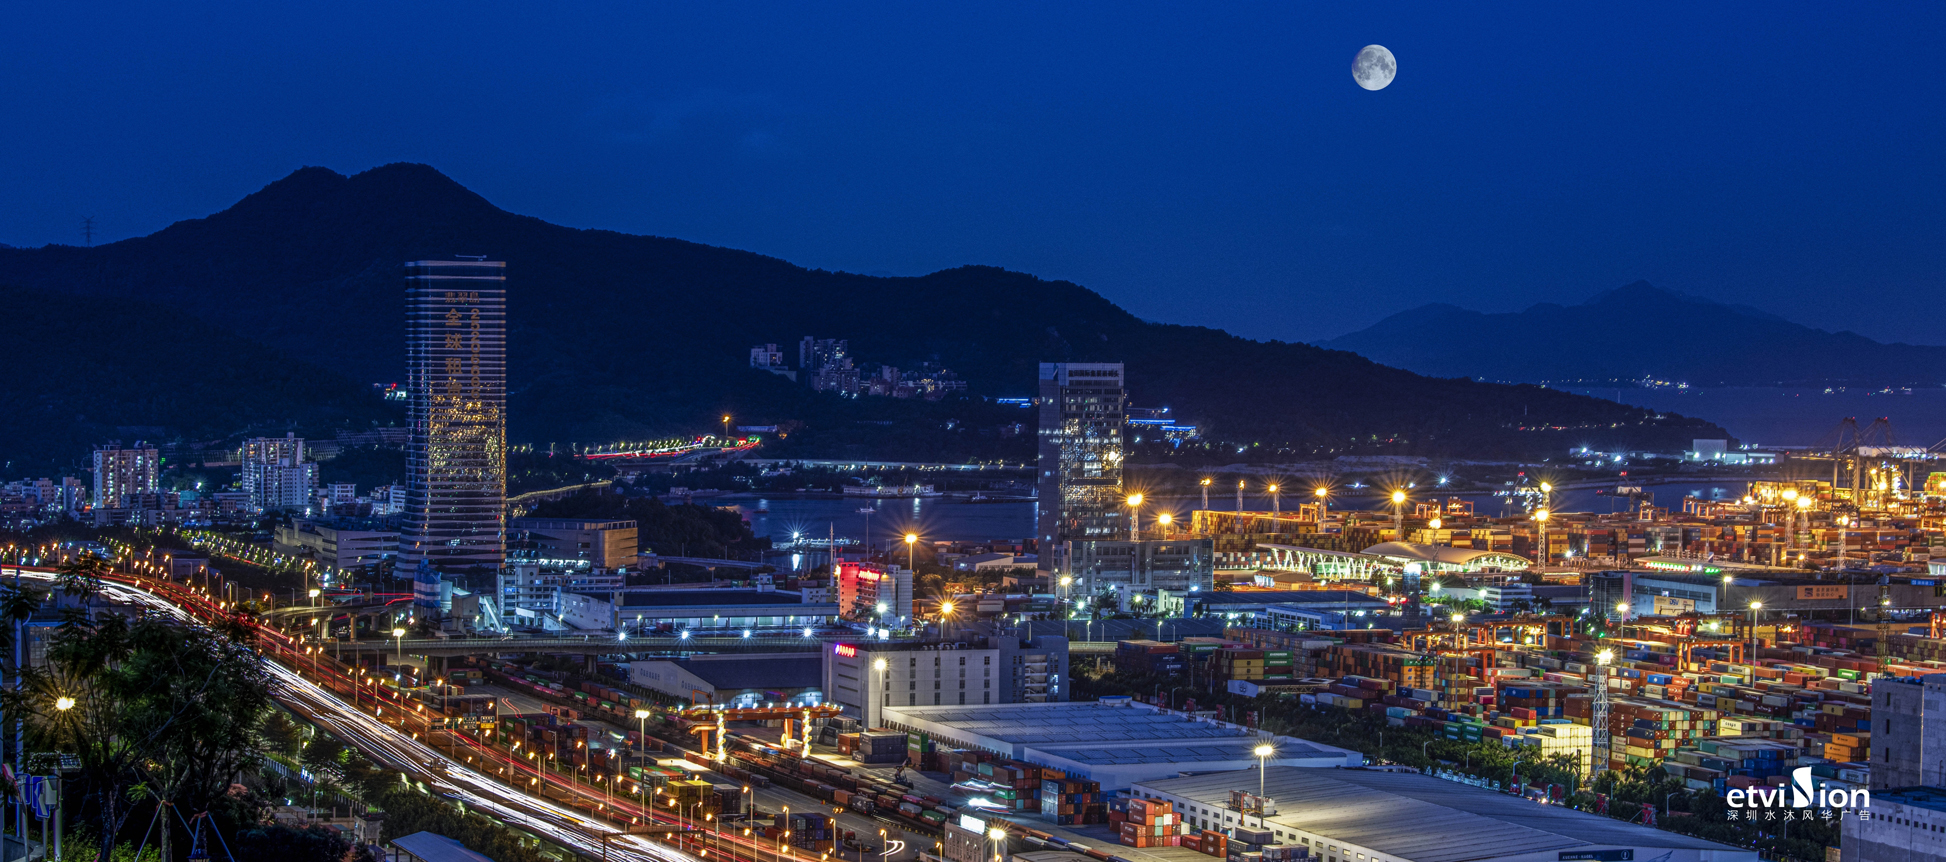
x=1374 y=67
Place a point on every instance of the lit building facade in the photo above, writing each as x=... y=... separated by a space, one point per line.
x=1177 y=565
x=275 y=474
x=121 y=473
x=1080 y=457
x=577 y=542
x=864 y=588
x=456 y=458
x=865 y=677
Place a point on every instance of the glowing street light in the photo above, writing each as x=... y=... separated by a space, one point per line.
x=1205 y=484
x=1163 y=520
x=1324 y=498
x=1276 y=506
x=1398 y=514
x=1134 y=517
x=398 y=636
x=911 y=544
x=1263 y=753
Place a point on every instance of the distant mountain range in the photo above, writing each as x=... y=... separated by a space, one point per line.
x=616 y=337
x=1639 y=332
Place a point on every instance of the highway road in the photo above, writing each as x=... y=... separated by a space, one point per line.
x=457 y=776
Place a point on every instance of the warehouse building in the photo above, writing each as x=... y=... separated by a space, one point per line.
x=1114 y=741
x=735 y=680
x=1363 y=815
x=867 y=677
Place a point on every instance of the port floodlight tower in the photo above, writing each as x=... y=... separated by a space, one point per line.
x=1599 y=717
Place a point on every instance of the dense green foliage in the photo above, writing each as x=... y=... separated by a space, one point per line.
x=310 y=265
x=157 y=710
x=679 y=530
x=144 y=371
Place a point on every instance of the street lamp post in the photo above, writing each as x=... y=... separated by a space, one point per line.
x=884 y=680
x=1276 y=504
x=1239 y=495
x=642 y=718
x=1398 y=515
x=1324 y=499
x=1162 y=523
x=1205 y=484
x=1755 y=606
x=911 y=546
x=1263 y=753
x=398 y=636
x=1134 y=517
x=1790 y=519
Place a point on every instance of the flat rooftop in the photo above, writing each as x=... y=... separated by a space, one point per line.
x=1055 y=723
x=1285 y=597
x=708 y=598
x=1113 y=744
x=1413 y=817
x=781 y=672
x=1931 y=798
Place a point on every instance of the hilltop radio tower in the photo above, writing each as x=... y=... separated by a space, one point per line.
x=88 y=231
x=1600 y=716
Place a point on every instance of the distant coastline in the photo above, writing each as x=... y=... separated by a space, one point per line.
x=1792 y=416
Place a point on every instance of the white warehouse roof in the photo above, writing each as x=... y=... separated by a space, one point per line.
x=1116 y=745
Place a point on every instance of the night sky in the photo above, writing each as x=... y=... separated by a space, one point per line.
x=1195 y=162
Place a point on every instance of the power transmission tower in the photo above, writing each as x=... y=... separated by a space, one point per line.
x=88 y=231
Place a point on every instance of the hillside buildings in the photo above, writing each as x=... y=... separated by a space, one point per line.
x=456 y=460
x=275 y=474
x=767 y=357
x=122 y=472
x=826 y=365
x=1080 y=458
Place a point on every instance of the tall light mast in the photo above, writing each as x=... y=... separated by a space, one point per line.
x=1600 y=717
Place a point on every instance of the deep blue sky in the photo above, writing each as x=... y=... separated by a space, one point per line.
x=1207 y=163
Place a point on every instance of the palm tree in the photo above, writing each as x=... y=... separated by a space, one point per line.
x=81 y=576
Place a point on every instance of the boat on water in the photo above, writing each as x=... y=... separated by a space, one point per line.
x=877 y=492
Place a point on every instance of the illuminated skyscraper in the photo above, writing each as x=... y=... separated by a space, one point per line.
x=122 y=473
x=1082 y=415
x=456 y=373
x=275 y=474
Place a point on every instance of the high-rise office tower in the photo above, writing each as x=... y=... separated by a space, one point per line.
x=456 y=373
x=121 y=473
x=275 y=474
x=1080 y=459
